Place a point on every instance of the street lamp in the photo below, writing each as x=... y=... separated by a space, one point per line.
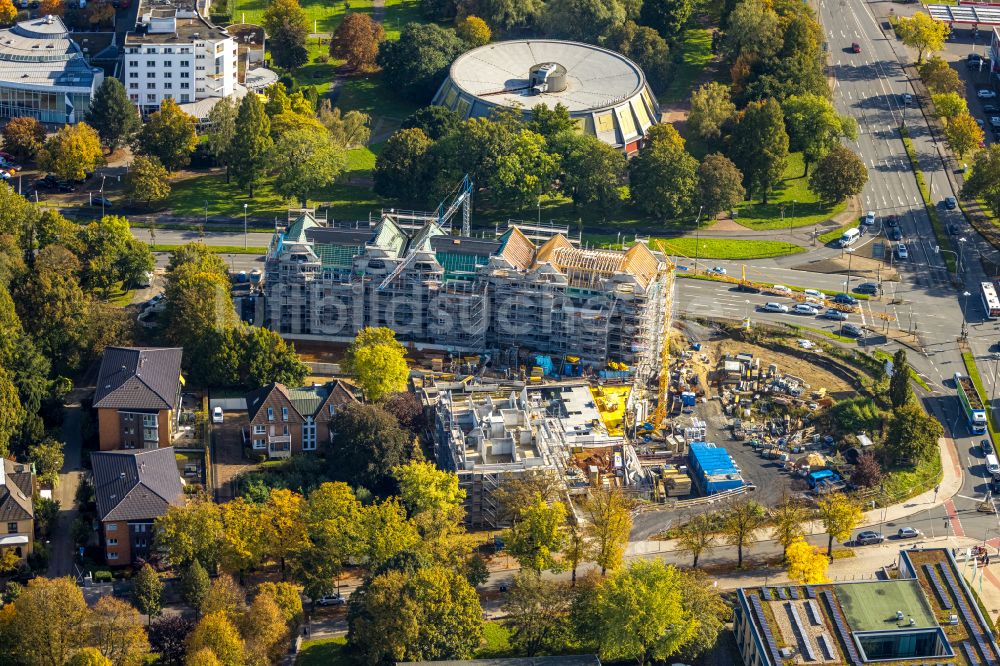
x=746 y=313
x=965 y=316
x=245 y=242
x=996 y=366
x=961 y=254
x=697 y=238
x=850 y=258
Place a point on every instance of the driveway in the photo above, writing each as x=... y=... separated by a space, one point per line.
x=62 y=548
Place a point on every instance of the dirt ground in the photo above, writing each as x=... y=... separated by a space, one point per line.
x=812 y=374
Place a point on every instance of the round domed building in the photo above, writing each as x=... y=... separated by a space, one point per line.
x=605 y=92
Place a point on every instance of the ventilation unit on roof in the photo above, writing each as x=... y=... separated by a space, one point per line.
x=899 y=615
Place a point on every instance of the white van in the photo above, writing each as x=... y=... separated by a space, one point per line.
x=217 y=416
x=992 y=464
x=850 y=237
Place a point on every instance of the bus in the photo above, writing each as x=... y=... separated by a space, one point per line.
x=990 y=301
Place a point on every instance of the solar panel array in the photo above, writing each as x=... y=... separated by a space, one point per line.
x=970 y=654
x=766 y=593
x=826 y=645
x=936 y=584
x=970 y=619
x=794 y=591
x=841 y=624
x=965 y=14
x=772 y=646
x=793 y=612
x=810 y=591
x=781 y=594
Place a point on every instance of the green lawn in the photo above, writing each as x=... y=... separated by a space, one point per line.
x=496 y=641
x=696 y=48
x=324 y=652
x=323 y=15
x=724 y=248
x=366 y=93
x=801 y=207
x=215 y=249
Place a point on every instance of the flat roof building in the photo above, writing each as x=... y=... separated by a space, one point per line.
x=44 y=74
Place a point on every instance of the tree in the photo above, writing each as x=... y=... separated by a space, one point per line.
x=638 y=613
x=11 y=412
x=593 y=172
x=168 y=638
x=169 y=135
x=867 y=473
x=23 y=137
x=288 y=597
x=52 y=8
x=384 y=532
x=922 y=33
x=610 y=522
x=949 y=105
x=190 y=532
x=538 y=536
x=581 y=20
x=759 y=145
x=537 y=613
x=244 y=544
x=550 y=121
x=435 y=121
x=720 y=185
x=839 y=515
x=89 y=656
x=940 y=77
x=838 y=175
x=72 y=152
x=668 y=17
x=663 y=176
x=148 y=592
x=401 y=166
x=195 y=584
x=815 y=127
x=287 y=29
x=265 y=631
x=306 y=160
x=985 y=179
x=416 y=63
x=7 y=13
x=425 y=488
x=697 y=535
x=708 y=609
x=249 y=155
x=222 y=130
x=806 y=564
x=741 y=519
x=900 y=392
x=50 y=621
x=47 y=457
x=415 y=614
x=517 y=494
x=377 y=361
x=711 y=107
x=368 y=446
x=147 y=180
x=647 y=48
x=113 y=114
x=264 y=357
x=473 y=31
x=225 y=596
x=507 y=14
x=347 y=130
x=216 y=632
x=356 y=40
x=912 y=435
x=118 y=632
x=203 y=657
x=477 y=572
x=789 y=519
x=753 y=31
x=963 y=134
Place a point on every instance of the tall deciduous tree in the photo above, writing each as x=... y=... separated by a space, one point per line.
x=147 y=181
x=72 y=152
x=7 y=13
x=940 y=77
x=195 y=584
x=377 y=361
x=435 y=121
x=169 y=135
x=265 y=631
x=647 y=48
x=538 y=536
x=190 y=533
x=610 y=522
x=923 y=33
x=697 y=536
x=222 y=130
x=582 y=20
x=900 y=392
x=759 y=146
x=356 y=40
x=963 y=134
x=418 y=61
x=287 y=29
x=668 y=17
x=537 y=613
x=593 y=172
x=663 y=176
x=788 y=519
x=23 y=137
x=814 y=126
x=118 y=632
x=148 y=592
x=348 y=130
x=806 y=563
x=985 y=179
x=840 y=515
x=720 y=184
x=50 y=621
x=369 y=444
x=711 y=107
x=168 y=638
x=401 y=166
x=948 y=105
x=217 y=633
x=250 y=153
x=838 y=175
x=741 y=519
x=305 y=160
x=508 y=14
x=473 y=31
x=113 y=114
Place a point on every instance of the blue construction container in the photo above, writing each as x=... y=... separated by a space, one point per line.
x=712 y=469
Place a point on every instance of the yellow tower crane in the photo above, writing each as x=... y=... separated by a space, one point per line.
x=660 y=414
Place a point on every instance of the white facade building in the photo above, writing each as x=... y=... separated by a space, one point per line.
x=176 y=54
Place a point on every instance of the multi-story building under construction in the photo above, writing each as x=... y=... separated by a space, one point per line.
x=467 y=294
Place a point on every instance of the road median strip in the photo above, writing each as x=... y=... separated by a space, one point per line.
x=939 y=231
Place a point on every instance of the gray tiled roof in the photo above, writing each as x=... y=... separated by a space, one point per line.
x=305 y=400
x=138 y=378
x=138 y=484
x=15 y=493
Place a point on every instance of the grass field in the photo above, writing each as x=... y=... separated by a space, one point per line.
x=724 y=248
x=801 y=206
x=496 y=641
x=696 y=50
x=215 y=249
x=323 y=15
x=323 y=652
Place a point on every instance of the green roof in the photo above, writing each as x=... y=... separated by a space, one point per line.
x=461 y=266
x=872 y=606
x=390 y=237
x=338 y=256
x=307 y=399
x=297 y=232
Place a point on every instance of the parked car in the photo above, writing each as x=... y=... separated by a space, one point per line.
x=852 y=329
x=781 y=289
x=331 y=600
x=805 y=309
x=870 y=288
x=950 y=203
x=813 y=301
x=747 y=288
x=902 y=252
x=845 y=299
x=991 y=108
x=855 y=47
x=986 y=93
x=100 y=200
x=775 y=307
x=895 y=234
x=835 y=315
x=979 y=121
x=892 y=221
x=145 y=280
x=954 y=229
x=987 y=447
x=994 y=121
x=907 y=98
x=50 y=182
x=815 y=293
x=716 y=270
x=907 y=533
x=869 y=218
x=217 y=415
x=868 y=537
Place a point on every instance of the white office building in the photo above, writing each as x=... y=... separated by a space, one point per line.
x=174 y=53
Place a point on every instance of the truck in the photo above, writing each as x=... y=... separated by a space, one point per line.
x=972 y=404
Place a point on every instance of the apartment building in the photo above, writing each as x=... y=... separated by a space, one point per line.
x=286 y=420
x=460 y=293
x=138 y=397
x=174 y=53
x=17 y=508
x=132 y=489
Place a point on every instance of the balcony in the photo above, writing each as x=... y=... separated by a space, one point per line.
x=279 y=446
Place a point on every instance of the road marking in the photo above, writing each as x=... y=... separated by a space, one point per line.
x=956 y=524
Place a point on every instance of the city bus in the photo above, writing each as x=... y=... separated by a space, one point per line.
x=990 y=301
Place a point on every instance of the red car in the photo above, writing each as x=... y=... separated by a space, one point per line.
x=855 y=47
